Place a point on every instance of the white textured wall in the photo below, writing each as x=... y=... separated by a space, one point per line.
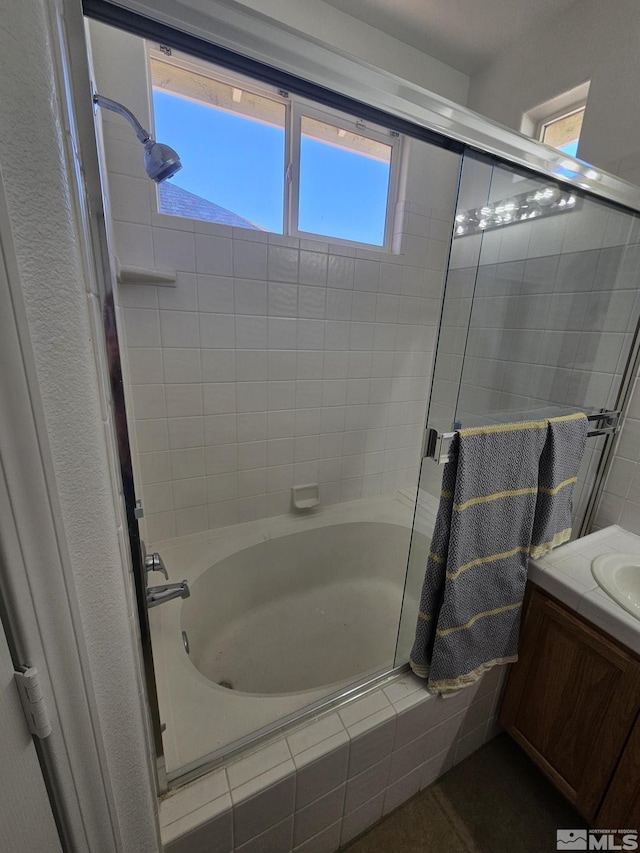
x=334 y=27
x=64 y=324
x=590 y=41
x=326 y=24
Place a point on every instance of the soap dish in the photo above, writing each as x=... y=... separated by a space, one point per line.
x=305 y=497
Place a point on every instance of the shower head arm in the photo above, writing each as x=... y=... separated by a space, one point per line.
x=115 y=107
x=160 y=161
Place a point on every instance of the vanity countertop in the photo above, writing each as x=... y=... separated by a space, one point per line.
x=566 y=574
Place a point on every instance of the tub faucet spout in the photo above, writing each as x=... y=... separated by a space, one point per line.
x=159 y=594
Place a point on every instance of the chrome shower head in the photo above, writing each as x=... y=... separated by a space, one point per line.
x=160 y=161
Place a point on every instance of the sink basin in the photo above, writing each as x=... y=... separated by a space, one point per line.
x=619 y=576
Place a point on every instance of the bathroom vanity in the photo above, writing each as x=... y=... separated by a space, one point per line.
x=572 y=701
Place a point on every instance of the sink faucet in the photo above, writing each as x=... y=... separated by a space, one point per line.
x=159 y=594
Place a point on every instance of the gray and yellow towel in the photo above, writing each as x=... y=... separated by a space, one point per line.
x=557 y=475
x=506 y=495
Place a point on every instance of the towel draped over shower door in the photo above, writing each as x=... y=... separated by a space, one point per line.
x=506 y=495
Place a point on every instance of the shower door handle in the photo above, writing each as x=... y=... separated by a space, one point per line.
x=436 y=446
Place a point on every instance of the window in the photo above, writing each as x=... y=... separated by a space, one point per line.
x=558 y=122
x=563 y=132
x=343 y=181
x=258 y=158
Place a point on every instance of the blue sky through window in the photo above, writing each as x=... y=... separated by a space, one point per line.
x=571 y=148
x=342 y=193
x=228 y=159
x=239 y=163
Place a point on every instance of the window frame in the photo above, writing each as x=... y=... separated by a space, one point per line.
x=544 y=123
x=221 y=75
x=295 y=108
x=563 y=104
x=302 y=108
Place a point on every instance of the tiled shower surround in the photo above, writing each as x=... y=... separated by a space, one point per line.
x=620 y=502
x=275 y=362
x=540 y=317
x=555 y=304
x=278 y=361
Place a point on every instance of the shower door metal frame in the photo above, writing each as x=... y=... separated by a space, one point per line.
x=252 y=44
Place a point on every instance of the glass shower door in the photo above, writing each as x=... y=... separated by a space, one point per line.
x=540 y=310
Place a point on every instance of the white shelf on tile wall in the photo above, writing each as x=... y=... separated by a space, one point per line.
x=142 y=275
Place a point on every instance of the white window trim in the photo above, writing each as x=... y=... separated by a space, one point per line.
x=295 y=108
x=534 y=120
x=302 y=107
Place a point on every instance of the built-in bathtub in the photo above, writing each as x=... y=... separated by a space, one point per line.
x=300 y=611
x=283 y=613
x=353 y=751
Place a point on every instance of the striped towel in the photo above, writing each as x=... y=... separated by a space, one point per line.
x=505 y=495
x=557 y=475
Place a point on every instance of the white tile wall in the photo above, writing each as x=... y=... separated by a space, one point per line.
x=274 y=361
x=620 y=502
x=330 y=780
x=552 y=322
x=541 y=326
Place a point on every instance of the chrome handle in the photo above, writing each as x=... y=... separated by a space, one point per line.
x=436 y=446
x=155 y=563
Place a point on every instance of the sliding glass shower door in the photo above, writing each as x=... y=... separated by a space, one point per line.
x=539 y=316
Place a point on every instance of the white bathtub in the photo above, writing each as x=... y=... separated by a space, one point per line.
x=300 y=611
x=282 y=613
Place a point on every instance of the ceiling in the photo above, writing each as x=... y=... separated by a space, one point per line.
x=465 y=34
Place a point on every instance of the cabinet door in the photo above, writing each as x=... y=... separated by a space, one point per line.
x=571 y=700
x=621 y=805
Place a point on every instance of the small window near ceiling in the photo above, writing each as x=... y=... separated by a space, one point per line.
x=558 y=122
x=563 y=132
x=258 y=157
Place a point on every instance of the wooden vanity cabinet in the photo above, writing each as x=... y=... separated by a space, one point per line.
x=621 y=804
x=571 y=702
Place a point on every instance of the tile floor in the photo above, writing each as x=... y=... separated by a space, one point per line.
x=496 y=801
